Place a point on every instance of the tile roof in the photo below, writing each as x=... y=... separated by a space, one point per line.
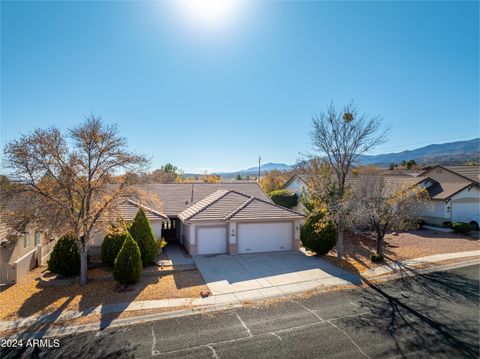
x=470 y=172
x=444 y=190
x=176 y=197
x=128 y=210
x=225 y=205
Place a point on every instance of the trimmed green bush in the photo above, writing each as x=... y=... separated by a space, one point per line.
x=376 y=258
x=112 y=243
x=461 y=227
x=318 y=235
x=65 y=257
x=419 y=223
x=128 y=264
x=447 y=224
x=284 y=198
x=142 y=233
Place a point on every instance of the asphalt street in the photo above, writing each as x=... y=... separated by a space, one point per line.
x=433 y=315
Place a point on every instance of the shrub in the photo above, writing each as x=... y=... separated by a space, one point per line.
x=128 y=264
x=461 y=227
x=112 y=243
x=420 y=223
x=161 y=242
x=284 y=198
x=318 y=235
x=65 y=257
x=142 y=233
x=376 y=258
x=447 y=224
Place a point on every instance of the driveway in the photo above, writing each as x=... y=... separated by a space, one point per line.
x=269 y=274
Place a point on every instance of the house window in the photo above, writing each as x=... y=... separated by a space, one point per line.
x=26 y=240
x=37 y=238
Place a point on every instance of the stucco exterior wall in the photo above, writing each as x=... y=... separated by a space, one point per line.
x=17 y=249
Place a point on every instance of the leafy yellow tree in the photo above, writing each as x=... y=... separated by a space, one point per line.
x=272 y=180
x=211 y=178
x=78 y=178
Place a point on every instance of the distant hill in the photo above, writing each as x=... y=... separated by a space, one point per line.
x=459 y=152
x=253 y=171
x=444 y=153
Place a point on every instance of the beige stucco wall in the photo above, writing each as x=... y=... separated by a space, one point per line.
x=15 y=250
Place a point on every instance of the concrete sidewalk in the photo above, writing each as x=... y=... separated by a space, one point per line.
x=396 y=266
x=232 y=299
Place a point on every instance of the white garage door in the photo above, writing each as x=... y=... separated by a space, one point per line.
x=265 y=237
x=211 y=240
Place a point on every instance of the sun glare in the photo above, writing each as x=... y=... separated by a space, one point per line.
x=209 y=13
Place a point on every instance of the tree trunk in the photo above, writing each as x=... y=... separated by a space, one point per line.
x=83 y=267
x=340 y=232
x=379 y=244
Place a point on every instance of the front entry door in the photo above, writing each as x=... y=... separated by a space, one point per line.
x=169 y=230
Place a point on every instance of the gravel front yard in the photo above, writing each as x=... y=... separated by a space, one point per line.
x=28 y=297
x=405 y=245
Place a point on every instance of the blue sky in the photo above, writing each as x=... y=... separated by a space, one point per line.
x=215 y=92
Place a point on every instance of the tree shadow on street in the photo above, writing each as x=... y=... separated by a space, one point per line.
x=437 y=325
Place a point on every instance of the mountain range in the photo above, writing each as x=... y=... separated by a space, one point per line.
x=458 y=152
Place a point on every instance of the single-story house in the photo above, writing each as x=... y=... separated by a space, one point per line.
x=453 y=191
x=231 y=222
x=454 y=194
x=20 y=252
x=298 y=185
x=213 y=218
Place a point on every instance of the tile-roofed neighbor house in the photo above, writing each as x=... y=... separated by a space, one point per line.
x=470 y=172
x=22 y=247
x=454 y=194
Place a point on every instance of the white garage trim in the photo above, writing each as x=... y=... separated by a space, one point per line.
x=211 y=239
x=264 y=236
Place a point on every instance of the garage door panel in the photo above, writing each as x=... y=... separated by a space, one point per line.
x=265 y=237
x=211 y=240
x=465 y=210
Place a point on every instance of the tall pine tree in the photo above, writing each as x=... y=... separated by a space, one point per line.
x=142 y=233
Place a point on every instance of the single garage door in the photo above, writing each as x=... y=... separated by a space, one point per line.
x=211 y=240
x=265 y=237
x=465 y=210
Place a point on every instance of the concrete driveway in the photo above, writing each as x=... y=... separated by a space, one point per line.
x=269 y=274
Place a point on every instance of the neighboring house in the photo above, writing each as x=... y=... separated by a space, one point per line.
x=21 y=252
x=453 y=191
x=298 y=185
x=454 y=194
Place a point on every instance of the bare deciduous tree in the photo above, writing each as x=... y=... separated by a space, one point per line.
x=385 y=203
x=77 y=178
x=341 y=137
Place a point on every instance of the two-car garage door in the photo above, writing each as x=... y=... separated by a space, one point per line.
x=264 y=237
x=251 y=238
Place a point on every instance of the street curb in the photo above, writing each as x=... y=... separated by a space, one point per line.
x=411 y=272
